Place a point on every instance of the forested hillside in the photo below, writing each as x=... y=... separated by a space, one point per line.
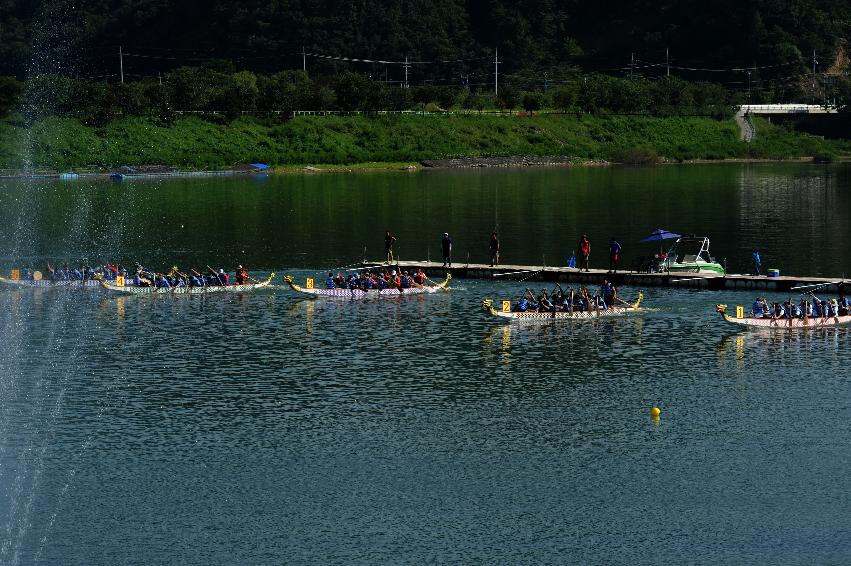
x=268 y=35
x=97 y=59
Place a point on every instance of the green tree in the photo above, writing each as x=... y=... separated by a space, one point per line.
x=353 y=91
x=532 y=101
x=10 y=94
x=189 y=89
x=564 y=97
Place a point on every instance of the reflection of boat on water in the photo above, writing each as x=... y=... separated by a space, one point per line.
x=341 y=293
x=782 y=323
x=683 y=259
x=593 y=314
x=119 y=287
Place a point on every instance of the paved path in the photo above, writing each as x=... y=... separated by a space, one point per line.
x=746 y=130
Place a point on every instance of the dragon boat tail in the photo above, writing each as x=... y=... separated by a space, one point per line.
x=782 y=323
x=506 y=312
x=309 y=289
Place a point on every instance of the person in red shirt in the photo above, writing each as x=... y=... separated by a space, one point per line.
x=241 y=275
x=584 y=252
x=419 y=277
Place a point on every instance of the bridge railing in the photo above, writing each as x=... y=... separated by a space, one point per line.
x=788 y=109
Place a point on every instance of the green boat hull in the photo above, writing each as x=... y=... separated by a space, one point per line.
x=696 y=268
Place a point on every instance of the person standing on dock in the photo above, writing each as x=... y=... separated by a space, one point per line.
x=389 y=240
x=584 y=252
x=614 y=255
x=757 y=262
x=446 y=245
x=494 y=249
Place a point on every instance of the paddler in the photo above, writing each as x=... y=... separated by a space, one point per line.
x=241 y=275
x=221 y=277
x=420 y=277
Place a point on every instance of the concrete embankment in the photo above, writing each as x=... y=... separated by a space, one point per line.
x=710 y=281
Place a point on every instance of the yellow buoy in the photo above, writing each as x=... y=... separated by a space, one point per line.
x=655 y=412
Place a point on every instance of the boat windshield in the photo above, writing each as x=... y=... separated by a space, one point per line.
x=690 y=249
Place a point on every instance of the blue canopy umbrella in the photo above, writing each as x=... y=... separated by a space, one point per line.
x=658 y=235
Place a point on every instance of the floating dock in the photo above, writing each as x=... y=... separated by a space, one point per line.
x=711 y=281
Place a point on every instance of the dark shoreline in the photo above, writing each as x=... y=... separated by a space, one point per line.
x=511 y=162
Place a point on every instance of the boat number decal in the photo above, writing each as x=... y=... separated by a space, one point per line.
x=309 y=283
x=740 y=312
x=119 y=281
x=506 y=306
x=15 y=275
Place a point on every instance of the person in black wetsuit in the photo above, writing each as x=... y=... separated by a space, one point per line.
x=389 y=240
x=446 y=246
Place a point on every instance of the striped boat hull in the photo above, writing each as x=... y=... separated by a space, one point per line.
x=206 y=290
x=371 y=293
x=48 y=284
x=808 y=323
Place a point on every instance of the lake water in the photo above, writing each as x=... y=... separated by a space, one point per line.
x=268 y=428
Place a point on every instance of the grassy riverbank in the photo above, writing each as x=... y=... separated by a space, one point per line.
x=64 y=143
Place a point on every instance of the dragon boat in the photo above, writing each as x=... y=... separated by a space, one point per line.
x=782 y=323
x=506 y=312
x=119 y=287
x=309 y=289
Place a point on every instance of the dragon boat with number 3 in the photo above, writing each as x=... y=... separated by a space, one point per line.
x=782 y=323
x=38 y=281
x=506 y=312
x=119 y=287
x=340 y=293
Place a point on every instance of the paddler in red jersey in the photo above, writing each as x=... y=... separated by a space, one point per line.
x=241 y=275
x=419 y=276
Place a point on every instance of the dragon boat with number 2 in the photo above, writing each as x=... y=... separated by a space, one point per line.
x=341 y=293
x=782 y=323
x=38 y=281
x=119 y=287
x=594 y=314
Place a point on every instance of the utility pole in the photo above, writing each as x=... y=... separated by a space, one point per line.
x=496 y=72
x=631 y=64
x=668 y=61
x=814 y=72
x=749 y=85
x=406 y=71
x=121 y=62
x=303 y=60
x=160 y=77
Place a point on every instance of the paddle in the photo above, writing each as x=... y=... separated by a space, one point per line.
x=570 y=310
x=815 y=286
